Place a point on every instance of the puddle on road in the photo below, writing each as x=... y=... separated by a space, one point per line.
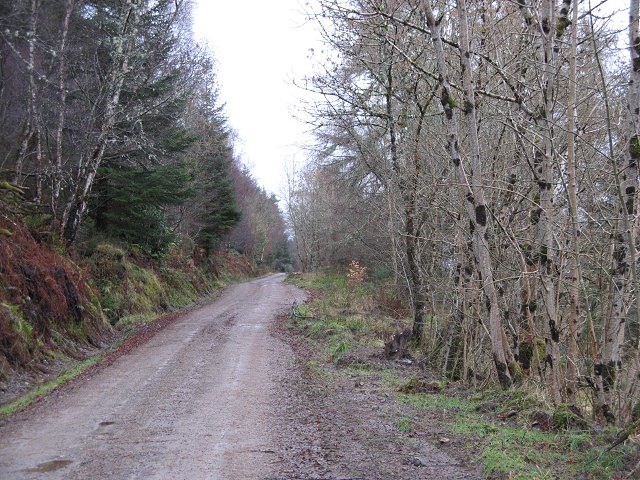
x=50 y=466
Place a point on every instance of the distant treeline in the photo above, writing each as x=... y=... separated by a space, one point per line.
x=110 y=125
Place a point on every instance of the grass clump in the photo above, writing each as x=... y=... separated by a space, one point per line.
x=338 y=346
x=510 y=448
x=405 y=425
x=342 y=313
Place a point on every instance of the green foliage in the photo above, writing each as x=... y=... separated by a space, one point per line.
x=132 y=202
x=405 y=425
x=219 y=212
x=37 y=220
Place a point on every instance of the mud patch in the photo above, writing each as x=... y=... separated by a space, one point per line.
x=50 y=466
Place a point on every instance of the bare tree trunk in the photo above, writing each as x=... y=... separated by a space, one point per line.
x=407 y=191
x=77 y=204
x=31 y=120
x=475 y=204
x=574 y=261
x=547 y=248
x=62 y=93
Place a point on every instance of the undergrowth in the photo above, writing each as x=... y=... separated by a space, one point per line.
x=507 y=446
x=511 y=434
x=343 y=316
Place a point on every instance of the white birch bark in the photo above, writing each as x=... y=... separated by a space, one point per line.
x=77 y=204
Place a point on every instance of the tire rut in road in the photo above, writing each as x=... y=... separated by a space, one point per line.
x=193 y=402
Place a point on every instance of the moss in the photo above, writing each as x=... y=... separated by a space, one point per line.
x=529 y=351
x=12 y=187
x=562 y=25
x=634 y=147
x=451 y=102
x=539 y=113
x=127 y=288
x=516 y=373
x=567 y=416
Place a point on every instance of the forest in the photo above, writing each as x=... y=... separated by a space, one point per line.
x=461 y=240
x=119 y=183
x=482 y=156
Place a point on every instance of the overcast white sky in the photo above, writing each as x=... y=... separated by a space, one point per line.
x=260 y=47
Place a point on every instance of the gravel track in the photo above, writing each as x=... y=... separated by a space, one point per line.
x=223 y=392
x=194 y=401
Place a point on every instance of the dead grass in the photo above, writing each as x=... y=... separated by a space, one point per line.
x=42 y=293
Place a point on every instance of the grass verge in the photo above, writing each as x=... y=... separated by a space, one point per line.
x=504 y=443
x=40 y=391
x=510 y=434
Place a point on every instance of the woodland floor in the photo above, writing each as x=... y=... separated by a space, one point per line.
x=343 y=423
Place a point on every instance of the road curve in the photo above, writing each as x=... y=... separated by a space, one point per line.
x=194 y=402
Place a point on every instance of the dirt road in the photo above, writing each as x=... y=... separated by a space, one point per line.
x=193 y=402
x=224 y=392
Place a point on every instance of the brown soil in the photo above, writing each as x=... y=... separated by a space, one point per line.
x=342 y=425
x=221 y=392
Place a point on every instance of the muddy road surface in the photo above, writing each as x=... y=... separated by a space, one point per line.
x=195 y=401
x=224 y=392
